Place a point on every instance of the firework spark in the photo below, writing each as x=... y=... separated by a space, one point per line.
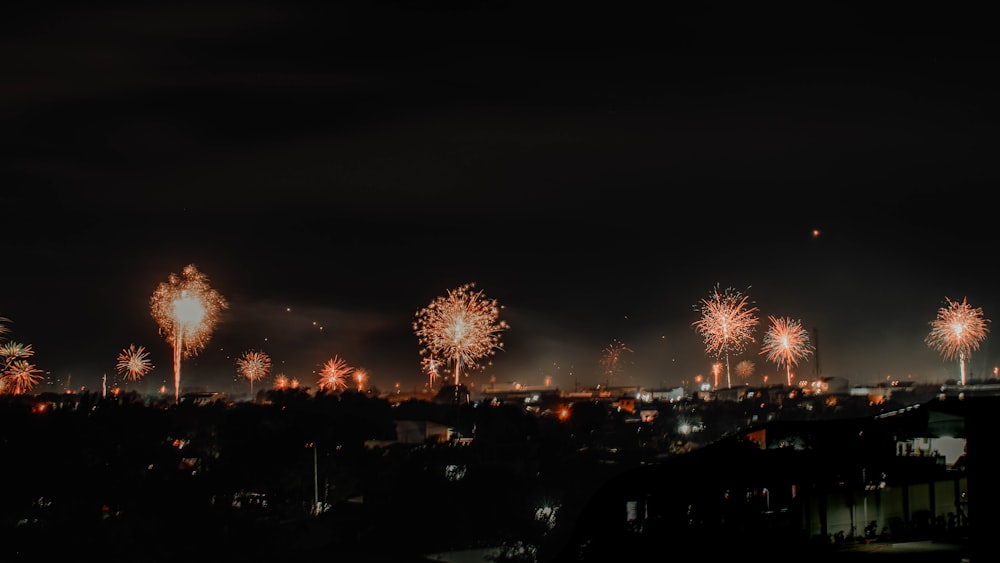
x=463 y=325
x=957 y=331
x=334 y=374
x=133 y=363
x=187 y=310
x=611 y=360
x=786 y=343
x=727 y=323
x=253 y=366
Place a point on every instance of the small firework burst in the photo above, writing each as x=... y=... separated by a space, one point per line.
x=134 y=363
x=334 y=374
x=611 y=360
x=281 y=382
x=20 y=377
x=957 y=331
x=463 y=325
x=253 y=366
x=786 y=343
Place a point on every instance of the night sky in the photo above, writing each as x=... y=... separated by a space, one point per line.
x=597 y=170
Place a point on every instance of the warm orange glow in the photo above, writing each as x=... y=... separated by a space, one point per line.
x=727 y=323
x=463 y=325
x=186 y=309
x=333 y=376
x=785 y=343
x=957 y=331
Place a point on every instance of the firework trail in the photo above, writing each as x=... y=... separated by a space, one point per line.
x=253 y=366
x=187 y=310
x=957 y=331
x=727 y=323
x=462 y=325
x=430 y=367
x=786 y=343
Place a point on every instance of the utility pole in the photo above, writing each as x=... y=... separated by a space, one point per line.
x=315 y=482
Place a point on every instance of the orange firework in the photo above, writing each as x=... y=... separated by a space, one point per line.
x=957 y=331
x=727 y=323
x=281 y=382
x=334 y=374
x=187 y=310
x=17 y=375
x=253 y=366
x=133 y=363
x=463 y=325
x=785 y=343
x=611 y=359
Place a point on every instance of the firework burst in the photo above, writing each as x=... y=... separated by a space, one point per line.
x=462 y=325
x=334 y=374
x=133 y=363
x=187 y=310
x=727 y=324
x=611 y=360
x=786 y=343
x=957 y=331
x=20 y=377
x=253 y=366
x=281 y=382
x=745 y=369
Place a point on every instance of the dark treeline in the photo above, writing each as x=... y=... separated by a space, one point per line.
x=131 y=480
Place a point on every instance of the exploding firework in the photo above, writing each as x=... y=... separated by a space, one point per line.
x=463 y=325
x=281 y=382
x=334 y=374
x=133 y=363
x=957 y=331
x=18 y=375
x=187 y=310
x=786 y=343
x=253 y=366
x=745 y=369
x=727 y=323
x=611 y=360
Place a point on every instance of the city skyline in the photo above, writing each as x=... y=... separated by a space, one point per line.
x=332 y=173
